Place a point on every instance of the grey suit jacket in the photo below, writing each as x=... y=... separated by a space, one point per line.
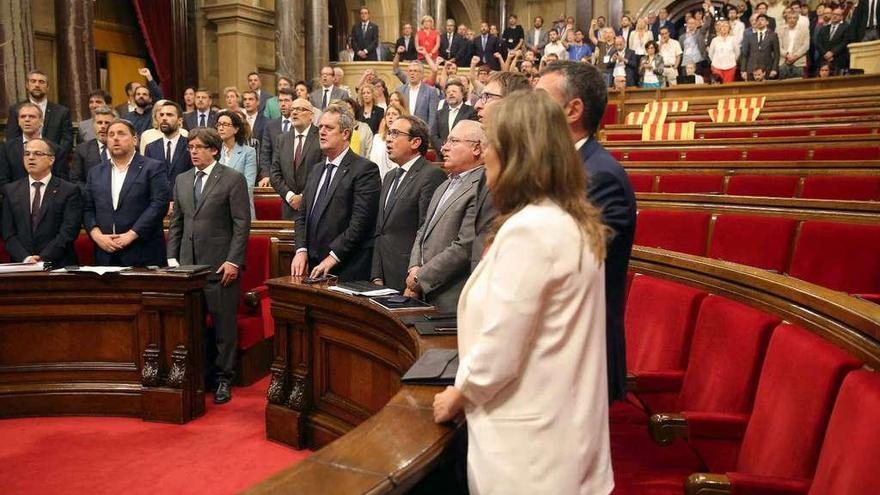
x=317 y=96
x=485 y=214
x=542 y=39
x=443 y=244
x=427 y=100
x=217 y=230
x=764 y=54
x=400 y=219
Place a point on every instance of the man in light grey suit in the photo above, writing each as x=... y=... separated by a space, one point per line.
x=422 y=99
x=327 y=92
x=403 y=205
x=440 y=261
x=537 y=37
x=210 y=225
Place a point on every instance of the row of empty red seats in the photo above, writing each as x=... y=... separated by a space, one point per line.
x=747 y=133
x=836 y=187
x=803 y=153
x=771 y=405
x=839 y=256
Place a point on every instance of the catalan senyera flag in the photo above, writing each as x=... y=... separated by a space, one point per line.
x=734 y=115
x=670 y=106
x=675 y=131
x=742 y=102
x=642 y=118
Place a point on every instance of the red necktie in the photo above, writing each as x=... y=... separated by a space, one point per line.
x=297 y=155
x=35 y=206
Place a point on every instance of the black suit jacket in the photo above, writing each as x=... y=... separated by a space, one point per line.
x=837 y=45
x=610 y=190
x=191 y=119
x=400 y=220
x=459 y=49
x=180 y=162
x=410 y=53
x=631 y=66
x=57 y=225
x=284 y=175
x=57 y=126
x=347 y=221
x=143 y=202
x=264 y=97
x=764 y=55
x=655 y=28
x=12 y=162
x=440 y=126
x=271 y=131
x=492 y=47
x=368 y=41
x=85 y=157
x=860 y=20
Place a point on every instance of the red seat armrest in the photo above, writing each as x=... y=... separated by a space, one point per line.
x=874 y=298
x=656 y=381
x=750 y=484
x=715 y=425
x=253 y=297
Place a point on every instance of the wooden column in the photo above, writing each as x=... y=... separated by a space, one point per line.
x=245 y=40
x=289 y=38
x=317 y=37
x=16 y=51
x=184 y=56
x=76 y=56
x=584 y=14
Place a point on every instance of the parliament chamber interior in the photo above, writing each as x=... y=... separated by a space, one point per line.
x=751 y=304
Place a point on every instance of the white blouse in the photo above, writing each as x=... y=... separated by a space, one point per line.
x=724 y=52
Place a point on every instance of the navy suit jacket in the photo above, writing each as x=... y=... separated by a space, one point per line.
x=487 y=57
x=143 y=202
x=610 y=190
x=180 y=162
x=12 y=162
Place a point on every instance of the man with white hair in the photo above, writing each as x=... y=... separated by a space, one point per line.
x=422 y=99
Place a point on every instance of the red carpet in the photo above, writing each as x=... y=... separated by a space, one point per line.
x=224 y=451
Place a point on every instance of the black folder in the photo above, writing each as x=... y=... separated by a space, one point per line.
x=442 y=327
x=435 y=367
x=411 y=320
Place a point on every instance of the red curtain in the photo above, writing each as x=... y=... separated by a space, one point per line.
x=156 y=22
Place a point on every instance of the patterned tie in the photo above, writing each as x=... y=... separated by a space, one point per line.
x=197 y=188
x=285 y=126
x=35 y=206
x=297 y=154
x=202 y=120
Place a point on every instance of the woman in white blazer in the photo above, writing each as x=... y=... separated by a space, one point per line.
x=531 y=318
x=236 y=154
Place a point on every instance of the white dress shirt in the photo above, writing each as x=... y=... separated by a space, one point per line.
x=117 y=178
x=42 y=104
x=453 y=113
x=173 y=141
x=412 y=98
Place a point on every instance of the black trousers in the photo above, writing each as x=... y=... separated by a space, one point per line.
x=222 y=305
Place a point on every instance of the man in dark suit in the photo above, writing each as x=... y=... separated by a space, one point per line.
x=29 y=121
x=255 y=84
x=408 y=42
x=453 y=112
x=56 y=123
x=86 y=127
x=202 y=116
x=41 y=212
x=293 y=156
x=273 y=129
x=663 y=21
x=127 y=105
x=92 y=152
x=609 y=189
x=210 y=226
x=336 y=223
x=831 y=42
x=453 y=46
x=760 y=50
x=486 y=47
x=257 y=122
x=866 y=21
x=171 y=149
x=623 y=62
x=403 y=205
x=126 y=200
x=364 y=38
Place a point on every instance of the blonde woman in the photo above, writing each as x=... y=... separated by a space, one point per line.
x=378 y=152
x=428 y=38
x=531 y=378
x=232 y=97
x=371 y=112
x=639 y=37
x=724 y=52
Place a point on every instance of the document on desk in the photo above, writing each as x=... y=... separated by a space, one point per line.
x=362 y=288
x=21 y=267
x=100 y=270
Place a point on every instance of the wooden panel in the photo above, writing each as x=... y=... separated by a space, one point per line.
x=120 y=70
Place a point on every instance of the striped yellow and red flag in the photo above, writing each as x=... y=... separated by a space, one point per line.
x=742 y=102
x=734 y=115
x=676 y=131
x=671 y=106
x=641 y=118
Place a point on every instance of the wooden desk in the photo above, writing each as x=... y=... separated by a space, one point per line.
x=125 y=344
x=336 y=378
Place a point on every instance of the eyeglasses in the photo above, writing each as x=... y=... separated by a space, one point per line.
x=197 y=147
x=38 y=154
x=454 y=141
x=299 y=109
x=223 y=124
x=486 y=97
x=394 y=134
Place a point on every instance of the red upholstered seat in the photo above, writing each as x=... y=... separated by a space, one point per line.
x=860 y=153
x=843 y=187
x=664 y=155
x=617 y=154
x=4 y=255
x=842 y=131
x=622 y=136
x=681 y=231
x=798 y=386
x=642 y=182
x=691 y=183
x=777 y=154
x=256 y=271
x=659 y=322
x=708 y=155
x=728 y=134
x=610 y=115
x=734 y=239
x=430 y=155
x=776 y=186
x=840 y=256
x=848 y=460
x=267 y=208
x=85 y=250
x=726 y=354
x=784 y=132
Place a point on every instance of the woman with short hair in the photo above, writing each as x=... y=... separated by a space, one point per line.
x=235 y=153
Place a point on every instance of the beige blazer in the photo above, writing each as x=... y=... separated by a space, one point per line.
x=531 y=341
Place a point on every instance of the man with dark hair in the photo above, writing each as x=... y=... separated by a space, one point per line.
x=486 y=47
x=453 y=46
x=41 y=212
x=86 y=128
x=171 y=149
x=29 y=120
x=327 y=90
x=274 y=128
x=203 y=115
x=92 y=152
x=273 y=107
x=364 y=37
x=255 y=84
x=294 y=153
x=210 y=225
x=513 y=35
x=144 y=96
x=451 y=113
x=56 y=124
x=128 y=105
x=536 y=38
x=123 y=215
x=403 y=204
x=760 y=50
x=580 y=89
x=405 y=47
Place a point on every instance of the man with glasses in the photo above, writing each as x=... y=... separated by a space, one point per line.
x=123 y=215
x=421 y=98
x=403 y=204
x=327 y=91
x=440 y=260
x=274 y=128
x=41 y=212
x=210 y=226
x=295 y=154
